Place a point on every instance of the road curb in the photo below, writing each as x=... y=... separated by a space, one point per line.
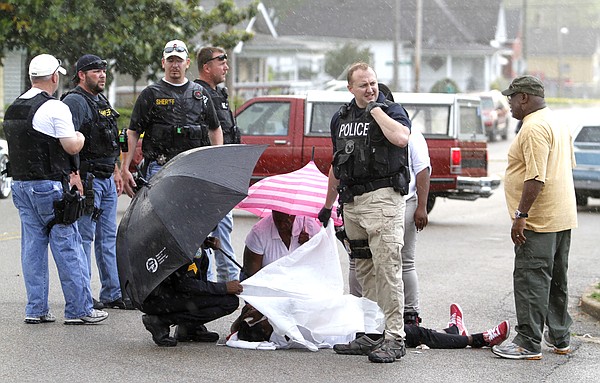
x=590 y=305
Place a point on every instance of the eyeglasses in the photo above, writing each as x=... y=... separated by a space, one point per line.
x=176 y=49
x=509 y=97
x=222 y=57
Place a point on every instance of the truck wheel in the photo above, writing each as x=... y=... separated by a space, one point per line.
x=492 y=135
x=5 y=182
x=581 y=199
x=430 y=203
x=504 y=135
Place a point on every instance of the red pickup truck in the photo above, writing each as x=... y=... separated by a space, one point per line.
x=296 y=128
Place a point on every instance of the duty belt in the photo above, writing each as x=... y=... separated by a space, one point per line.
x=371 y=186
x=348 y=192
x=97 y=169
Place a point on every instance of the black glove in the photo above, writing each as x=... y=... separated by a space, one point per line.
x=372 y=105
x=324 y=216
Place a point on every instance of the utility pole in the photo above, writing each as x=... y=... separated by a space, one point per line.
x=418 y=39
x=524 y=35
x=396 y=60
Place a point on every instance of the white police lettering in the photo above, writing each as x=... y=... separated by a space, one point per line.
x=353 y=129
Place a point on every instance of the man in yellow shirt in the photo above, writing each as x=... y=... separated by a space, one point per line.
x=541 y=201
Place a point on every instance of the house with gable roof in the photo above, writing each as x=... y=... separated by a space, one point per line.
x=463 y=40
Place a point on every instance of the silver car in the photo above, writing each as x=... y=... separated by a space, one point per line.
x=586 y=174
x=5 y=181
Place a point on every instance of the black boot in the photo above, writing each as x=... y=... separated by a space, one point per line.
x=412 y=318
x=188 y=332
x=160 y=330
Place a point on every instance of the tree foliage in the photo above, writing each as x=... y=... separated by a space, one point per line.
x=337 y=61
x=131 y=34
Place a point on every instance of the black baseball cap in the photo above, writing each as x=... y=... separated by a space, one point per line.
x=89 y=62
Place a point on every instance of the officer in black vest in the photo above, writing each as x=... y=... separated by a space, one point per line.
x=42 y=140
x=175 y=114
x=212 y=69
x=95 y=118
x=370 y=173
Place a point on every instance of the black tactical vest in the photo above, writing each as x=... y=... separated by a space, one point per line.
x=33 y=155
x=363 y=153
x=220 y=98
x=178 y=121
x=101 y=134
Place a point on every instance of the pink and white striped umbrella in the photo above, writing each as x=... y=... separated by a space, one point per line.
x=301 y=192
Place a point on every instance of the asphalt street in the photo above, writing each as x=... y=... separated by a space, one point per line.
x=465 y=255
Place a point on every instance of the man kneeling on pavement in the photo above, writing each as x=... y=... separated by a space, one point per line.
x=189 y=301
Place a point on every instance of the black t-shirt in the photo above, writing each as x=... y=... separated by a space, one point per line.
x=80 y=109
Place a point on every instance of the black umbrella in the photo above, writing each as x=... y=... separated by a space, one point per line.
x=169 y=218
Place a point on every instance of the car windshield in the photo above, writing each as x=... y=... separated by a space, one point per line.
x=588 y=134
x=487 y=103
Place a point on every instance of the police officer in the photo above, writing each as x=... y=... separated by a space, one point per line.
x=187 y=299
x=94 y=117
x=370 y=172
x=42 y=140
x=212 y=69
x=175 y=114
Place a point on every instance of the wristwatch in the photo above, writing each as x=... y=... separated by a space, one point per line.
x=519 y=214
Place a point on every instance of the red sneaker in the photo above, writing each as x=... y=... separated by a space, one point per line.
x=456 y=319
x=497 y=335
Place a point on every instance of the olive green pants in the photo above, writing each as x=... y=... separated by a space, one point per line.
x=540 y=288
x=378 y=216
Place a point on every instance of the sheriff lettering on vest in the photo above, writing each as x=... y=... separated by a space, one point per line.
x=370 y=173
x=175 y=114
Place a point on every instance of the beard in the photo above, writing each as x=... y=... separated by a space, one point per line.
x=95 y=87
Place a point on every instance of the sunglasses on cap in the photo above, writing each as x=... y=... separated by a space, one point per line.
x=176 y=49
x=59 y=64
x=98 y=64
x=222 y=57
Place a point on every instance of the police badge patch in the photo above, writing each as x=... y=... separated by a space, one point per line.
x=349 y=148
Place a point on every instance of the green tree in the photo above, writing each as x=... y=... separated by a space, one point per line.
x=337 y=61
x=129 y=33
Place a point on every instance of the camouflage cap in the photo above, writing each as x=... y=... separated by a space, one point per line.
x=525 y=84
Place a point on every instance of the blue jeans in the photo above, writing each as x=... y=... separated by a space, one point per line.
x=34 y=200
x=226 y=269
x=153 y=168
x=105 y=232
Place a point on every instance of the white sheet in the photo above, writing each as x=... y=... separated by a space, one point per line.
x=302 y=294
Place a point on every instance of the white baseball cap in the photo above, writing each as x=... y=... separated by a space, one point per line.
x=44 y=65
x=175 y=48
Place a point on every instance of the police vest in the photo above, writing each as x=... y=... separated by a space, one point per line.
x=220 y=98
x=177 y=121
x=363 y=153
x=33 y=155
x=101 y=133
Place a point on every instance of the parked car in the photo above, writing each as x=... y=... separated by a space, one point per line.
x=495 y=113
x=5 y=181
x=586 y=175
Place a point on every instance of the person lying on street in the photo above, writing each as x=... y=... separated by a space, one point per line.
x=253 y=326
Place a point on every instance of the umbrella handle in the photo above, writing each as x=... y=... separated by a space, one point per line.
x=231 y=259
